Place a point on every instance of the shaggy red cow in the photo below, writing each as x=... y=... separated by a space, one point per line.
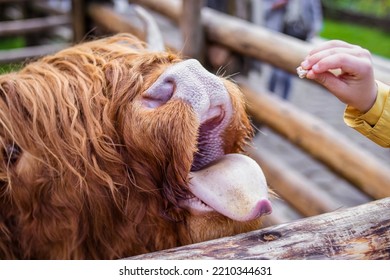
x=110 y=150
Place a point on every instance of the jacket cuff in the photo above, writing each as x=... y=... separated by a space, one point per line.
x=374 y=124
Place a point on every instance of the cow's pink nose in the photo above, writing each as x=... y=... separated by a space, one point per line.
x=191 y=83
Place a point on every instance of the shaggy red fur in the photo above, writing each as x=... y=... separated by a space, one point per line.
x=87 y=171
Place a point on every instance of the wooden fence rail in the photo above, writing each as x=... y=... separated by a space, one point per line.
x=17 y=55
x=361 y=232
x=21 y=27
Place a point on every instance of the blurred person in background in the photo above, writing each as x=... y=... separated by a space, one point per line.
x=301 y=19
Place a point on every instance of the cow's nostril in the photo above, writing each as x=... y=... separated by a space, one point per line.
x=158 y=94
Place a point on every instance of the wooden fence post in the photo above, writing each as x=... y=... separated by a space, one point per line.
x=192 y=29
x=79 y=12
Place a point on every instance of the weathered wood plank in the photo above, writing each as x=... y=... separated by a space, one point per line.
x=17 y=55
x=20 y=27
x=79 y=21
x=192 y=31
x=321 y=141
x=361 y=232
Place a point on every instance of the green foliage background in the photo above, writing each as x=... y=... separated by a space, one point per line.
x=375 y=40
x=379 y=8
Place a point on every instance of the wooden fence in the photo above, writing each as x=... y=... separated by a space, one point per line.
x=356 y=233
x=360 y=232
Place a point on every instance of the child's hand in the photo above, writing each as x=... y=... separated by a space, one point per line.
x=354 y=84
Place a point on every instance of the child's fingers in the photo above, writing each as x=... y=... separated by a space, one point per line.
x=330 y=45
x=349 y=64
x=335 y=52
x=326 y=79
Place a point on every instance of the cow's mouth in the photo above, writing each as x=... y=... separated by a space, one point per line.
x=230 y=184
x=209 y=139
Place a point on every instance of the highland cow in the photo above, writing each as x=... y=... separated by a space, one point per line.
x=110 y=150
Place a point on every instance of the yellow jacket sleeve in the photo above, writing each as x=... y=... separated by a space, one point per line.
x=374 y=124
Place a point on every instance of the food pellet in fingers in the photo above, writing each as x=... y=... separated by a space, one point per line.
x=301 y=72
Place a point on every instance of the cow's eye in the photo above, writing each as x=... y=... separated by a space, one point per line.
x=11 y=154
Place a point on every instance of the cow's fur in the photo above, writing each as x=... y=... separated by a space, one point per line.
x=88 y=173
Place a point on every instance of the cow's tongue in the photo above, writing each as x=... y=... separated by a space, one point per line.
x=234 y=186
